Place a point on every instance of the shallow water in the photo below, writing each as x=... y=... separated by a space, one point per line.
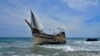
x=26 y=47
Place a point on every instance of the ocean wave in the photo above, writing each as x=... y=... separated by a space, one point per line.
x=17 y=44
x=79 y=53
x=86 y=42
x=62 y=47
x=13 y=47
x=73 y=48
x=48 y=50
x=28 y=55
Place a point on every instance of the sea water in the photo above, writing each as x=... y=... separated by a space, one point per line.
x=24 y=46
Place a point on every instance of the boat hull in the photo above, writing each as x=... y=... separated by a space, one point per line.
x=43 y=39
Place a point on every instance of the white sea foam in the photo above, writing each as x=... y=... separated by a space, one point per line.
x=77 y=45
x=1 y=54
x=86 y=45
x=15 y=55
x=92 y=43
x=27 y=55
x=62 y=47
x=11 y=52
x=87 y=42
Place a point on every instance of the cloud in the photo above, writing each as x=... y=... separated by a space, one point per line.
x=12 y=19
x=81 y=4
x=75 y=25
x=52 y=14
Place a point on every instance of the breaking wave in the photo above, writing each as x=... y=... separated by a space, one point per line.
x=26 y=47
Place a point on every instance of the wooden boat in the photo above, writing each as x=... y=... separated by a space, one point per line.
x=41 y=37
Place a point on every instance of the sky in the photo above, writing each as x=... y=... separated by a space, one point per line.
x=79 y=18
